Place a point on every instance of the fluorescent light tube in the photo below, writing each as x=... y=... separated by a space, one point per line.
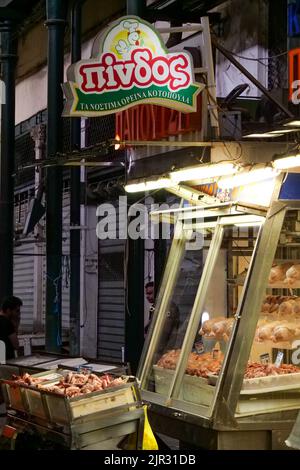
x=148 y=185
x=203 y=172
x=287 y=162
x=263 y=135
x=247 y=177
x=284 y=131
x=293 y=123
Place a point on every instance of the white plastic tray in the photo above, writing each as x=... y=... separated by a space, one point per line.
x=271 y=383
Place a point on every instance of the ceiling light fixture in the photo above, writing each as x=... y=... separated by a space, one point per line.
x=268 y=135
x=242 y=178
x=148 y=185
x=203 y=172
x=296 y=123
x=284 y=131
x=285 y=163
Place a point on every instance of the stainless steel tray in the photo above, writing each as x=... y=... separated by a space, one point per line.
x=59 y=409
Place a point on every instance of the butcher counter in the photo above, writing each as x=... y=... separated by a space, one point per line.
x=228 y=375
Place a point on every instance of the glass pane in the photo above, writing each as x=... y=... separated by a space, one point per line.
x=272 y=377
x=217 y=315
x=176 y=312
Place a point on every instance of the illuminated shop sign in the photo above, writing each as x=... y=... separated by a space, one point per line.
x=294 y=75
x=151 y=122
x=294 y=19
x=130 y=65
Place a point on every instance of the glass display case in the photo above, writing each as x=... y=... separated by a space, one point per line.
x=221 y=363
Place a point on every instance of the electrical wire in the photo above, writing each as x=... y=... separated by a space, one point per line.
x=254 y=59
x=233 y=159
x=258 y=59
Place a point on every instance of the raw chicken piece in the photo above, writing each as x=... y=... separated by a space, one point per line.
x=296 y=307
x=274 y=308
x=265 y=331
x=297 y=329
x=293 y=275
x=283 y=332
x=278 y=272
x=219 y=329
x=229 y=326
x=265 y=307
x=207 y=327
x=286 y=308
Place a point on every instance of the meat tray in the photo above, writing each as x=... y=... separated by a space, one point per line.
x=195 y=389
x=59 y=409
x=261 y=399
x=271 y=383
x=63 y=410
x=25 y=398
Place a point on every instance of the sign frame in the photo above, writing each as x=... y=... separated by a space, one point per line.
x=130 y=65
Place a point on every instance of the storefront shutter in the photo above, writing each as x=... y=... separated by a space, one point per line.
x=24 y=283
x=111 y=299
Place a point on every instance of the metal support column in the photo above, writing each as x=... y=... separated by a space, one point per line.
x=136 y=7
x=160 y=249
x=134 y=324
x=56 y=19
x=7 y=157
x=38 y=135
x=134 y=309
x=76 y=15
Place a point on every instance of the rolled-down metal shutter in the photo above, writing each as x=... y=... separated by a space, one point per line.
x=24 y=283
x=111 y=300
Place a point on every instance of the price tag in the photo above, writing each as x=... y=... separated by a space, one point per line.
x=265 y=358
x=279 y=358
x=199 y=347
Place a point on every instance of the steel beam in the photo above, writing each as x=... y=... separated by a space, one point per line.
x=56 y=20
x=7 y=157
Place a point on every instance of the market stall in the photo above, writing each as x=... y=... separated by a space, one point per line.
x=223 y=371
x=59 y=406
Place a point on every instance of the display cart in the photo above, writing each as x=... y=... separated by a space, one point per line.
x=38 y=418
x=220 y=365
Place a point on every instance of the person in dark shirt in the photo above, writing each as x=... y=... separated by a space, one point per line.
x=149 y=292
x=171 y=325
x=9 y=324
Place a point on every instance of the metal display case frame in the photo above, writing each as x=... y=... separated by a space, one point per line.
x=217 y=426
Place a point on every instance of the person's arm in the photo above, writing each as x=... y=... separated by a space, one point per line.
x=16 y=323
x=13 y=338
